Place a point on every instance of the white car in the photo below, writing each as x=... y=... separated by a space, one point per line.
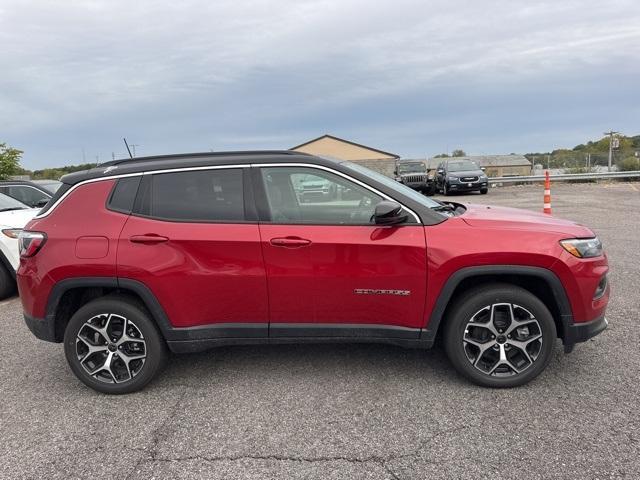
x=13 y=217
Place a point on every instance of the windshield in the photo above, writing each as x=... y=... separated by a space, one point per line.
x=462 y=166
x=411 y=167
x=392 y=184
x=8 y=203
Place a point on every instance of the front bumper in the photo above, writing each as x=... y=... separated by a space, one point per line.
x=467 y=187
x=44 y=329
x=581 y=332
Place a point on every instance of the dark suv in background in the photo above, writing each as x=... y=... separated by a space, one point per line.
x=414 y=174
x=461 y=175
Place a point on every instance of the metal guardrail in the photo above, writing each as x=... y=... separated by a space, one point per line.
x=565 y=177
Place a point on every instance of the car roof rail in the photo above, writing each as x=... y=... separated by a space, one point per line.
x=177 y=156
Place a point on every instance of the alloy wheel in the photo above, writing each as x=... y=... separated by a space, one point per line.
x=502 y=339
x=111 y=348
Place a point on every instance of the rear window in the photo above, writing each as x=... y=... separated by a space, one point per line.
x=214 y=195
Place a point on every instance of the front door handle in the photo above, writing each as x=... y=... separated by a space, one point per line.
x=290 y=242
x=149 y=239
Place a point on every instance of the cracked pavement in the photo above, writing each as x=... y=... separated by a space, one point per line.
x=345 y=411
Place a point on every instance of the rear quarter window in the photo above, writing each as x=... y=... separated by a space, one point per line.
x=124 y=194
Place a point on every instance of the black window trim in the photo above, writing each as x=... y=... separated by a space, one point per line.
x=262 y=203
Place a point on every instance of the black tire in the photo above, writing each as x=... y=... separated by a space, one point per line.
x=445 y=189
x=145 y=338
x=430 y=190
x=472 y=303
x=7 y=283
x=484 y=191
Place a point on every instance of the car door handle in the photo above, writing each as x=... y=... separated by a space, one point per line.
x=148 y=239
x=290 y=242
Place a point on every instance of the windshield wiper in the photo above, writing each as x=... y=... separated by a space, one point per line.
x=443 y=207
x=12 y=208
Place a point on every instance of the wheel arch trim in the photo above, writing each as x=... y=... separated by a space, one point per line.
x=123 y=284
x=544 y=274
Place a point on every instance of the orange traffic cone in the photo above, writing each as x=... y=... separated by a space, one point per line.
x=547 y=193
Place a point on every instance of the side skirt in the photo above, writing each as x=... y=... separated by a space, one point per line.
x=304 y=333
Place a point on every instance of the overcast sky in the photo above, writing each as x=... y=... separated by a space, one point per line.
x=411 y=77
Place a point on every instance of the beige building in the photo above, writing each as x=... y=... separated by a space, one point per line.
x=330 y=146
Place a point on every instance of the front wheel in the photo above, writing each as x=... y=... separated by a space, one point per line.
x=484 y=191
x=113 y=346
x=499 y=336
x=430 y=190
x=445 y=189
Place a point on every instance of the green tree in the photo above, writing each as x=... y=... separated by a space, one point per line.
x=442 y=155
x=629 y=164
x=9 y=161
x=458 y=152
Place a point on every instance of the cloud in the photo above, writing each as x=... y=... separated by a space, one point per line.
x=273 y=73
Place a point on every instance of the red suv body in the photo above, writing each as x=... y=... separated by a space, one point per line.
x=194 y=251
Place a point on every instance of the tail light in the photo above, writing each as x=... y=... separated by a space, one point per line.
x=30 y=243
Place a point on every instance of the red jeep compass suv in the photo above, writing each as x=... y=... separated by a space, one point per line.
x=187 y=252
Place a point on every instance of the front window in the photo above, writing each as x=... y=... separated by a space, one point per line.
x=462 y=166
x=393 y=185
x=304 y=195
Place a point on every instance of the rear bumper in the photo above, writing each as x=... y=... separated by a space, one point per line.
x=44 y=329
x=581 y=332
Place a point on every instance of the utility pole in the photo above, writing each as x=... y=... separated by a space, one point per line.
x=611 y=133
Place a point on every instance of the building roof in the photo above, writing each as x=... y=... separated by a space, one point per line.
x=486 y=160
x=338 y=139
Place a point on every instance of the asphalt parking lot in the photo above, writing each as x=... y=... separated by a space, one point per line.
x=345 y=411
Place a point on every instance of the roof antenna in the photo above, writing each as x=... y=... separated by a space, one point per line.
x=127 y=145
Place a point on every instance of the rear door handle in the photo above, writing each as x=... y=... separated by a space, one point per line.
x=290 y=242
x=148 y=239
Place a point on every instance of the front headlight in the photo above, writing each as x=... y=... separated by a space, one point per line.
x=452 y=179
x=583 y=247
x=12 y=232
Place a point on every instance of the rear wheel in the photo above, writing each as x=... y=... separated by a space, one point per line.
x=113 y=346
x=7 y=283
x=500 y=336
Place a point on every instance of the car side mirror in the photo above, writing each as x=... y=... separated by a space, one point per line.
x=440 y=171
x=483 y=169
x=41 y=203
x=389 y=213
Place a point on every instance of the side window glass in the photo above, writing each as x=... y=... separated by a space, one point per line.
x=28 y=195
x=123 y=195
x=304 y=195
x=214 y=195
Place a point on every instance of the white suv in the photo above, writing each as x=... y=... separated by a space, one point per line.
x=13 y=217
